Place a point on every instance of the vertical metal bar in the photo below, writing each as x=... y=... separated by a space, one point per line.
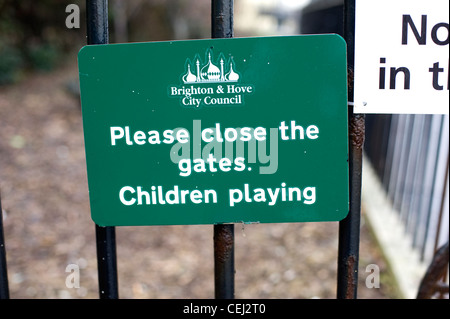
x=404 y=165
x=222 y=27
x=412 y=222
x=224 y=261
x=107 y=262
x=349 y=228
x=433 y=153
x=388 y=172
x=222 y=18
x=397 y=138
x=97 y=33
x=441 y=210
x=97 y=21
x=4 y=289
x=421 y=187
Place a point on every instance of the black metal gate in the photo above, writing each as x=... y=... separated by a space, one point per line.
x=349 y=228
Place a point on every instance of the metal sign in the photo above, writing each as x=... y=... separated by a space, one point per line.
x=401 y=56
x=249 y=130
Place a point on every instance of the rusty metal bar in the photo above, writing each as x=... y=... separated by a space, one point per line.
x=97 y=33
x=349 y=228
x=224 y=261
x=4 y=289
x=222 y=27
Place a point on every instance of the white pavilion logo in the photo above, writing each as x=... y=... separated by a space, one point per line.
x=210 y=72
x=214 y=83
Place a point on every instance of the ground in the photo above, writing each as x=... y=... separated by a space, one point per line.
x=48 y=229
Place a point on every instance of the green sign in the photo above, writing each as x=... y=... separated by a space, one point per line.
x=249 y=130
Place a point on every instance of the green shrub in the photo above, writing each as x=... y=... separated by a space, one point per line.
x=11 y=63
x=43 y=57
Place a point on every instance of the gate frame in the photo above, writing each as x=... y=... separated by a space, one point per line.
x=349 y=227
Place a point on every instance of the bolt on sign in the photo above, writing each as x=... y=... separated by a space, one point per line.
x=249 y=130
x=401 y=56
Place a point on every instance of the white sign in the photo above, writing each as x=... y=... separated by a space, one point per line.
x=401 y=56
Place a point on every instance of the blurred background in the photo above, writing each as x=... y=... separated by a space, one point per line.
x=43 y=185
